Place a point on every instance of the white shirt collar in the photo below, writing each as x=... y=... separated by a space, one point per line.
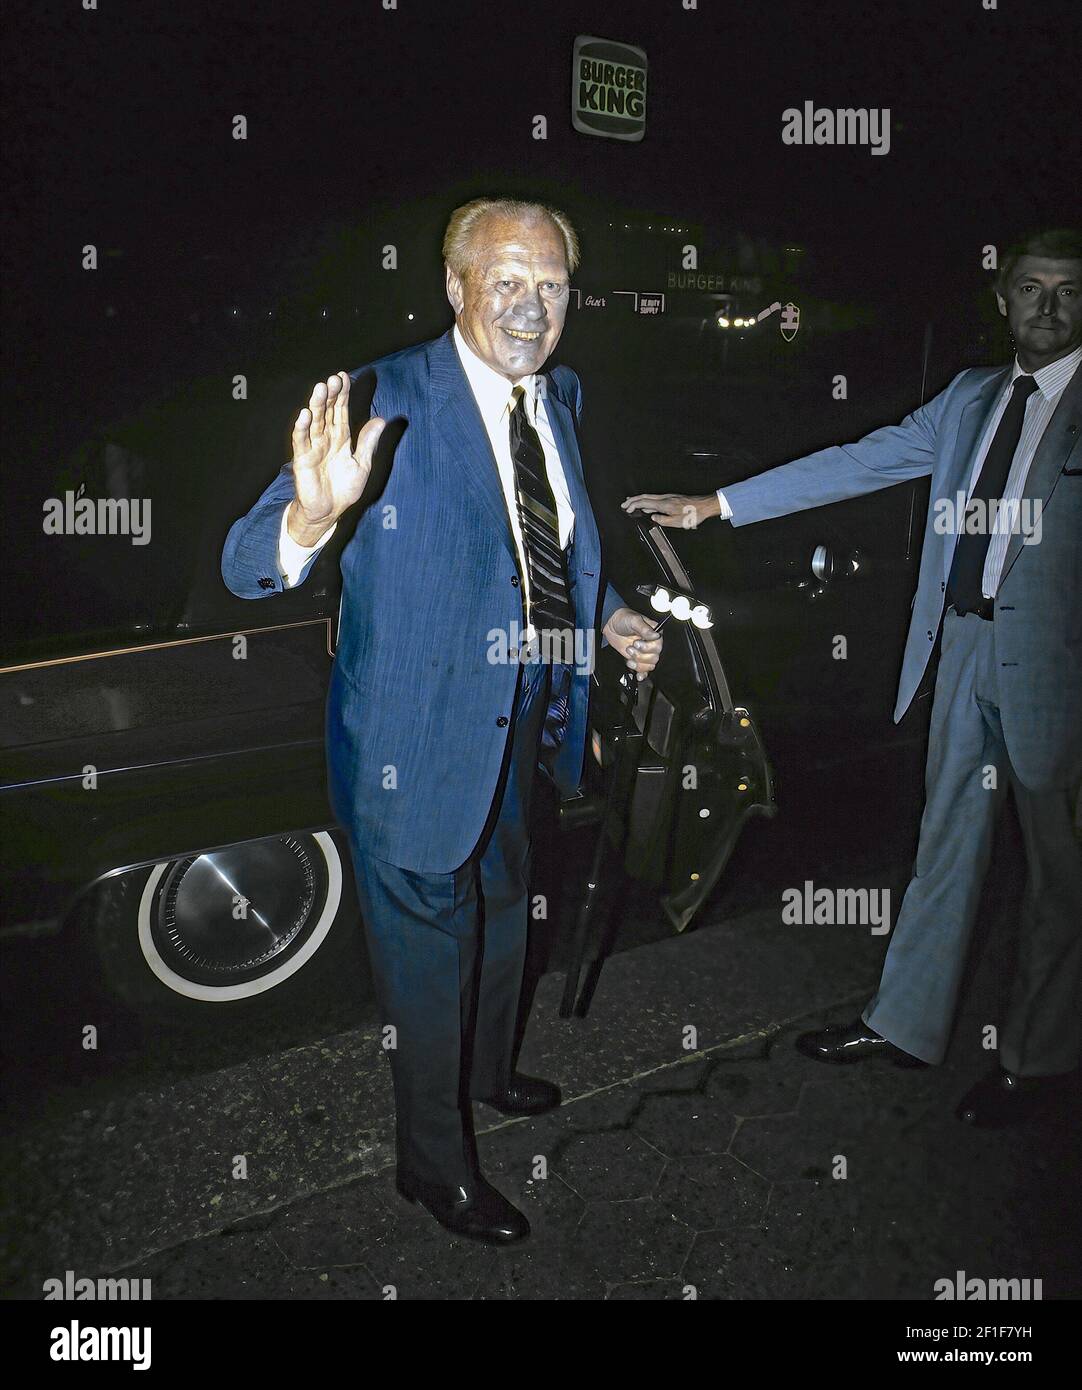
x=491 y=389
x=1051 y=380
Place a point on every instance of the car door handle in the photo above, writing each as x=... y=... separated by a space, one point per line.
x=828 y=564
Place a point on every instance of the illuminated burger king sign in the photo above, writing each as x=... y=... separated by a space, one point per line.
x=608 y=89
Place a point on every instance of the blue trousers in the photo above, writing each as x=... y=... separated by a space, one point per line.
x=447 y=954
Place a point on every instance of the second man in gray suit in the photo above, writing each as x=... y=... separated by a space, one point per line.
x=1008 y=693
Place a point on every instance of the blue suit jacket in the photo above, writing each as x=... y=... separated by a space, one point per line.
x=1038 y=614
x=417 y=714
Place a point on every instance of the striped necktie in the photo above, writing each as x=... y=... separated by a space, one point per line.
x=550 y=603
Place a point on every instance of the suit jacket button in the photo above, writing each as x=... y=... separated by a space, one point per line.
x=501 y=723
x=514 y=580
x=266 y=583
x=929 y=637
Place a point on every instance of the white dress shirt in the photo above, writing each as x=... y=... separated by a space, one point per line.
x=493 y=394
x=1051 y=383
x=292 y=557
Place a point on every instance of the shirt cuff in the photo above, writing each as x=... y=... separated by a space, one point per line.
x=726 y=511
x=292 y=557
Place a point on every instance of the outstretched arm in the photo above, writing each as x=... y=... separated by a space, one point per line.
x=888 y=455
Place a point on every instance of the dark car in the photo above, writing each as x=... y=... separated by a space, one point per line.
x=171 y=794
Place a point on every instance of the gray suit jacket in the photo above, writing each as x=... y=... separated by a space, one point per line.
x=1038 y=609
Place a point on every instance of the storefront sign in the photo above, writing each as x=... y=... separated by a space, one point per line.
x=608 y=89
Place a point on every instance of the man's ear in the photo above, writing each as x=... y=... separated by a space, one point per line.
x=455 y=294
x=1001 y=304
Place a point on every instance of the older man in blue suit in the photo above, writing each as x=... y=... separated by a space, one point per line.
x=471 y=596
x=1003 y=447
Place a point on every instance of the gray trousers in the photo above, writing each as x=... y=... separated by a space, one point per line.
x=915 y=1004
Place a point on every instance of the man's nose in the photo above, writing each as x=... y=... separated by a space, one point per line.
x=1047 y=305
x=530 y=306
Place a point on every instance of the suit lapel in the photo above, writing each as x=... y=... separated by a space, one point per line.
x=459 y=425
x=461 y=429
x=970 y=428
x=1059 y=438
x=563 y=430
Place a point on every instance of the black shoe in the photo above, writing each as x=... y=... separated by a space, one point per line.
x=478 y=1212
x=1001 y=1098
x=525 y=1095
x=852 y=1042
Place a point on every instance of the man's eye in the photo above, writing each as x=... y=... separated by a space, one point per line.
x=504 y=284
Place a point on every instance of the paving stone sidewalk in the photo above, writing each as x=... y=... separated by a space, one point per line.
x=712 y=1179
x=666 y=1174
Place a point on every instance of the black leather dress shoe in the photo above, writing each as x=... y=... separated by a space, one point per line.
x=1001 y=1098
x=525 y=1095
x=478 y=1212
x=852 y=1042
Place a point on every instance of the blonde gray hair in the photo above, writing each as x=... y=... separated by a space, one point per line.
x=458 y=239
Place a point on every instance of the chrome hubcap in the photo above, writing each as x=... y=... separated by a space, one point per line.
x=234 y=914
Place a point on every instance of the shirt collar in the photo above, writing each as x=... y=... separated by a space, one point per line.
x=1051 y=380
x=491 y=390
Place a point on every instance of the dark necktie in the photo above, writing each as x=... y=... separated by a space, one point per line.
x=550 y=603
x=964 y=588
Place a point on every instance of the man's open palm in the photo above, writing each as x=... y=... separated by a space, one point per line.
x=329 y=475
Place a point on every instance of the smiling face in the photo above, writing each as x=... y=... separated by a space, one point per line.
x=511 y=304
x=1043 y=305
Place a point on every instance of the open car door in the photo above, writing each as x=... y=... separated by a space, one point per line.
x=701 y=769
x=676 y=771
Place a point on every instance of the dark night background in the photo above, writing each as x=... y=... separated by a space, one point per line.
x=364 y=126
